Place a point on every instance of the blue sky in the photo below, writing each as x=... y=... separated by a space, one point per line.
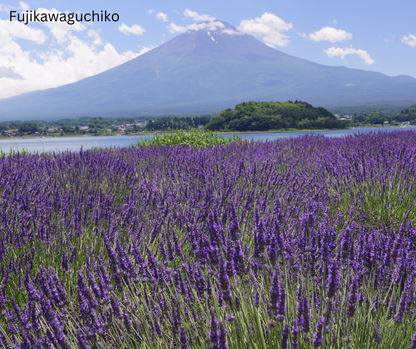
x=371 y=35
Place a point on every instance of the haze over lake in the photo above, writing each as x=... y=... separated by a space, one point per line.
x=58 y=144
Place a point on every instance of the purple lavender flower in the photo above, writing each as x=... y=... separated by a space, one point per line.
x=213 y=333
x=234 y=226
x=402 y=308
x=413 y=344
x=317 y=338
x=332 y=281
x=82 y=342
x=32 y=292
x=352 y=299
x=239 y=259
x=64 y=262
x=285 y=336
x=115 y=305
x=183 y=339
x=377 y=334
x=275 y=294
x=299 y=308
x=222 y=336
x=306 y=324
x=224 y=282
x=392 y=309
x=17 y=312
x=295 y=332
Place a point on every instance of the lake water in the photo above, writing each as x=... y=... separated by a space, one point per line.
x=58 y=144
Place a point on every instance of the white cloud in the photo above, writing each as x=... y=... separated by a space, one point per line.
x=24 y=6
x=18 y=30
x=302 y=35
x=390 y=40
x=342 y=52
x=97 y=38
x=197 y=17
x=174 y=28
x=9 y=73
x=409 y=40
x=330 y=34
x=151 y=11
x=268 y=26
x=134 y=29
x=231 y=32
x=60 y=30
x=334 y=21
x=145 y=49
x=66 y=56
x=162 y=16
x=212 y=26
x=5 y=8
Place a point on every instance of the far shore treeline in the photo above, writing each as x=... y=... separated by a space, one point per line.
x=246 y=116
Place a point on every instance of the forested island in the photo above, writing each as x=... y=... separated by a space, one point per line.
x=264 y=116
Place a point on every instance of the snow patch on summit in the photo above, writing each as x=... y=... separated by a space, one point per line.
x=209 y=34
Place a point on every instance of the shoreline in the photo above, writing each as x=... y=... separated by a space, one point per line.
x=219 y=132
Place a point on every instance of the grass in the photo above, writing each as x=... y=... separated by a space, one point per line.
x=190 y=138
x=13 y=152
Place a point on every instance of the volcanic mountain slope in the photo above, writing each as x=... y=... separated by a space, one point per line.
x=206 y=71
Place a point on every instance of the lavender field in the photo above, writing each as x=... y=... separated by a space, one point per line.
x=297 y=243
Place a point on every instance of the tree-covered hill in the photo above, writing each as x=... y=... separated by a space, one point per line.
x=262 y=116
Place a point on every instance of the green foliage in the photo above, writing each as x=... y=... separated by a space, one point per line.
x=99 y=123
x=68 y=129
x=176 y=123
x=192 y=138
x=23 y=127
x=377 y=117
x=263 y=116
x=13 y=152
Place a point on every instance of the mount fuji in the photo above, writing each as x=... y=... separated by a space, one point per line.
x=204 y=71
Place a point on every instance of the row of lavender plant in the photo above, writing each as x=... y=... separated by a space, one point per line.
x=297 y=243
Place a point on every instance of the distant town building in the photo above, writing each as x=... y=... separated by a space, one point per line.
x=406 y=123
x=11 y=132
x=386 y=123
x=108 y=130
